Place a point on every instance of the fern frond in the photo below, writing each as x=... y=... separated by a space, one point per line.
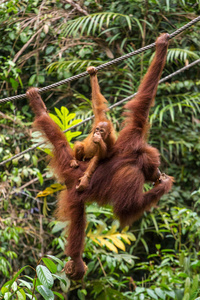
x=182 y=100
x=94 y=23
x=72 y=65
x=182 y=54
x=180 y=147
x=178 y=53
x=178 y=85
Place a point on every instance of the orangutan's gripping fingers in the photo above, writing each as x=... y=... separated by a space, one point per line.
x=74 y=164
x=36 y=102
x=69 y=268
x=92 y=70
x=163 y=39
x=75 y=271
x=33 y=91
x=84 y=183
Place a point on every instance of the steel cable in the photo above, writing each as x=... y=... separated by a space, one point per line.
x=111 y=107
x=114 y=61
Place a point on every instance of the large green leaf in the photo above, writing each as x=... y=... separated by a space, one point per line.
x=44 y=275
x=59 y=295
x=45 y=292
x=50 y=264
x=152 y=294
x=56 y=259
x=21 y=295
x=57 y=121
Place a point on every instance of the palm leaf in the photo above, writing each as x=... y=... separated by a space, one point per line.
x=178 y=53
x=182 y=100
x=72 y=65
x=94 y=23
x=182 y=54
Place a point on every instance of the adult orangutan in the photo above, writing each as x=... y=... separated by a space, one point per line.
x=119 y=179
x=98 y=144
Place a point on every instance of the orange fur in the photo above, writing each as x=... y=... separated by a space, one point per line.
x=98 y=144
x=119 y=178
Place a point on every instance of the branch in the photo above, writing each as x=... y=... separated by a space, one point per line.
x=77 y=6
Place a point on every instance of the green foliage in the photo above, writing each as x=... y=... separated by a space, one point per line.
x=7 y=233
x=43 y=42
x=64 y=120
x=181 y=54
x=73 y=65
x=95 y=22
x=23 y=286
x=8 y=66
x=116 y=238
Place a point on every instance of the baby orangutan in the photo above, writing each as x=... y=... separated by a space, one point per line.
x=99 y=142
x=119 y=179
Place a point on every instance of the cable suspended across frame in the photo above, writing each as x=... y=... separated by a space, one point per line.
x=114 y=61
x=111 y=107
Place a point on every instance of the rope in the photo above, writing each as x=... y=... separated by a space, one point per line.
x=114 y=61
x=111 y=107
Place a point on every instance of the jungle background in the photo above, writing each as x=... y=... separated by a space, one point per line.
x=42 y=42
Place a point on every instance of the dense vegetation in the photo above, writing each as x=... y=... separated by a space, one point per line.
x=43 y=42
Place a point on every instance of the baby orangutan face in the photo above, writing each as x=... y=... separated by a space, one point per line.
x=101 y=131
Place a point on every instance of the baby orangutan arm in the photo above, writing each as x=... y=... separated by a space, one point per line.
x=96 y=145
x=79 y=154
x=118 y=180
x=99 y=136
x=99 y=103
